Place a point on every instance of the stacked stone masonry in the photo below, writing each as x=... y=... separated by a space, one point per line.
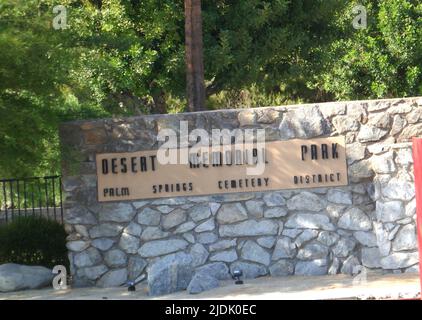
x=369 y=223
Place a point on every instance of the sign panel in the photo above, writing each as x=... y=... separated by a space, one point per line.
x=280 y=165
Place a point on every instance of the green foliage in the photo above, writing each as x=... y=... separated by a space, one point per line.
x=382 y=61
x=126 y=57
x=33 y=241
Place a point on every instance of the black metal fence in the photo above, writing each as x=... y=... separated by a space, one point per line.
x=38 y=196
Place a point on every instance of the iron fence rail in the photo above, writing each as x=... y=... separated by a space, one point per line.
x=38 y=196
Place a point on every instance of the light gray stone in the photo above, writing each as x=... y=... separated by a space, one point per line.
x=360 y=170
x=282 y=268
x=349 y=265
x=165 y=209
x=380 y=120
x=231 y=213
x=367 y=239
x=370 y=133
x=335 y=265
x=153 y=233
x=253 y=252
x=345 y=124
x=400 y=107
x=404 y=157
x=310 y=221
x=92 y=273
x=247 y=117
x=136 y=266
x=103 y=243
x=249 y=228
x=218 y=270
x=116 y=212
x=206 y=237
x=161 y=247
x=343 y=247
x=303 y=122
x=355 y=219
x=208 y=225
x=313 y=251
x=393 y=232
x=354 y=152
x=139 y=204
x=199 y=254
x=214 y=206
x=311 y=268
x=173 y=219
x=224 y=256
x=129 y=243
x=266 y=242
x=133 y=229
x=189 y=237
x=399 y=189
x=274 y=199
x=339 y=196
x=384 y=245
x=378 y=105
x=330 y=109
x=371 y=257
x=169 y=201
x=77 y=246
x=414 y=116
x=115 y=258
x=249 y=270
x=383 y=163
x=185 y=227
x=88 y=258
x=222 y=245
x=305 y=201
x=200 y=212
x=382 y=146
x=390 y=211
x=202 y=282
x=79 y=215
x=399 y=260
x=398 y=124
x=328 y=238
x=255 y=208
x=149 y=217
x=405 y=239
x=14 y=277
x=411 y=208
x=357 y=110
x=284 y=248
x=82 y=230
x=305 y=236
x=275 y=213
x=335 y=210
x=291 y=233
x=105 y=230
x=170 y=274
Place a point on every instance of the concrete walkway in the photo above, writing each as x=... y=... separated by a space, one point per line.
x=377 y=286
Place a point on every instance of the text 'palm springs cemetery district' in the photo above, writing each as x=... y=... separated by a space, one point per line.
x=274 y=165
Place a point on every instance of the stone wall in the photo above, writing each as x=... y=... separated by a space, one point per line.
x=370 y=222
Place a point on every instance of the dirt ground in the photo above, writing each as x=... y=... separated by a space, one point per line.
x=376 y=286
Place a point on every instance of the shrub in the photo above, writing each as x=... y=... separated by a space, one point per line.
x=33 y=241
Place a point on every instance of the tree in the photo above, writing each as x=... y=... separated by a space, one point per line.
x=195 y=86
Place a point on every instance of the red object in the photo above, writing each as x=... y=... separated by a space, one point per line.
x=417 y=165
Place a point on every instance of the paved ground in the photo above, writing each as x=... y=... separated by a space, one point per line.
x=295 y=287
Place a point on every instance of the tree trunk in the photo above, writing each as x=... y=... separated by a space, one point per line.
x=195 y=86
